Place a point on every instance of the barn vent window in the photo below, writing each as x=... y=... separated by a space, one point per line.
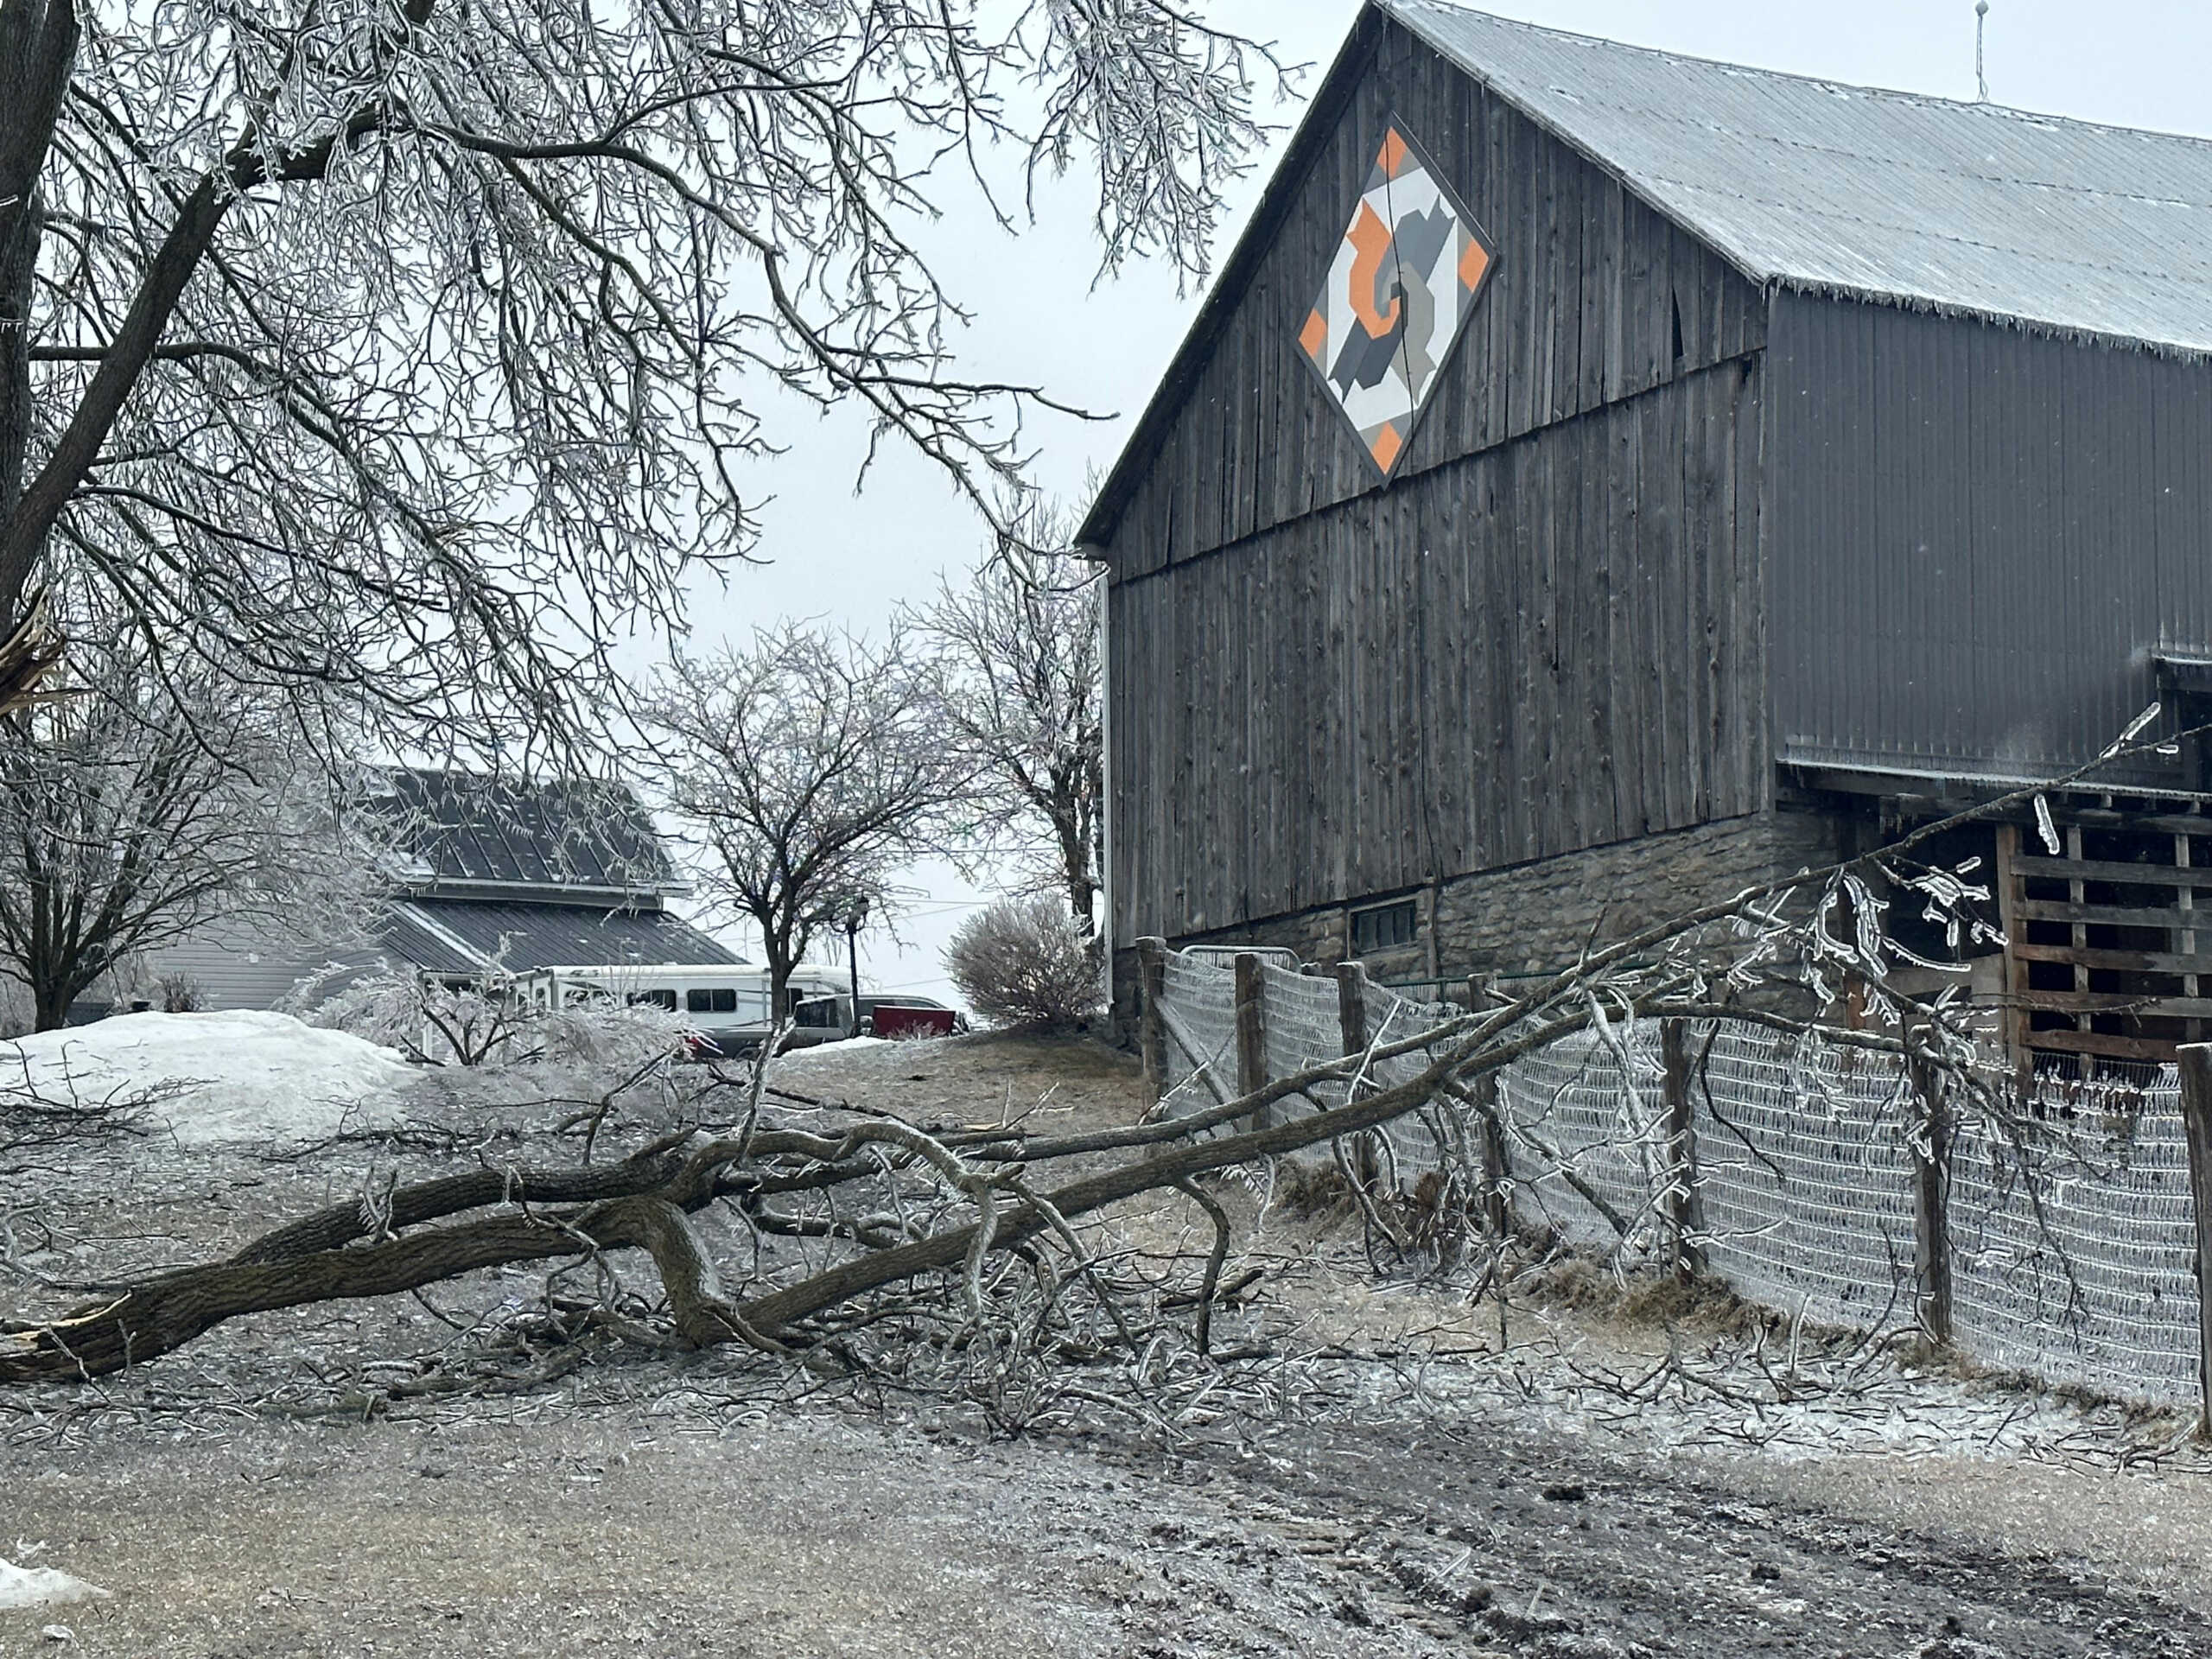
x=1382 y=927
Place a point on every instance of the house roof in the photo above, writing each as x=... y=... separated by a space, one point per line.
x=469 y=828
x=450 y=936
x=1970 y=209
x=1975 y=210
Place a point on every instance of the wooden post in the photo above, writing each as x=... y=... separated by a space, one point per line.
x=2016 y=967
x=1495 y=1170
x=1152 y=1030
x=1352 y=1038
x=1685 y=1217
x=2077 y=891
x=1931 y=1237
x=1251 y=1034
x=2196 y=1062
x=1351 y=1006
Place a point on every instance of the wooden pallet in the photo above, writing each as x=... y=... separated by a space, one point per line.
x=2109 y=940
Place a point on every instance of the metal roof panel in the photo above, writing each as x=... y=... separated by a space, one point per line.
x=458 y=936
x=1967 y=209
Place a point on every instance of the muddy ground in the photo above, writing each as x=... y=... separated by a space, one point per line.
x=1415 y=1487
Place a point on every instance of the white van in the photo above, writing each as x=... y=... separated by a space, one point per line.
x=726 y=1005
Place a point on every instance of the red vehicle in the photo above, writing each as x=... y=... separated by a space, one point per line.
x=900 y=1020
x=889 y=1013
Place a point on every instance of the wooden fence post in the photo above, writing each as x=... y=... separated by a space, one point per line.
x=1931 y=1234
x=1251 y=1034
x=1351 y=1006
x=1352 y=1038
x=2196 y=1062
x=1495 y=1170
x=1152 y=1030
x=1685 y=1215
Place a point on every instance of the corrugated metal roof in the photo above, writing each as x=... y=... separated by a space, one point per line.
x=1972 y=209
x=450 y=936
x=468 y=827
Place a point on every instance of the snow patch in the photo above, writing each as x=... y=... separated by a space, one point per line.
x=842 y=1045
x=223 y=1078
x=43 y=1587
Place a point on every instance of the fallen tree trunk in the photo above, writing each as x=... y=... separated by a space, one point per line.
x=640 y=1203
x=162 y=1315
x=644 y=1202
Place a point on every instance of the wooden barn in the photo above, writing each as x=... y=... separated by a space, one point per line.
x=1599 y=478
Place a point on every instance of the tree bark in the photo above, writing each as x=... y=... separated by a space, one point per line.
x=38 y=46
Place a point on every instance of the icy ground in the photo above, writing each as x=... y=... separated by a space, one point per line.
x=1401 y=1472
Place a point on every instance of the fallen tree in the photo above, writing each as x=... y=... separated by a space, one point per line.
x=917 y=1223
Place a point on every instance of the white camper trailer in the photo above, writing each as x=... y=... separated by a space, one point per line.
x=726 y=1006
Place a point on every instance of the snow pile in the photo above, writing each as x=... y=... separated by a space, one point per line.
x=220 y=1077
x=831 y=1051
x=41 y=1586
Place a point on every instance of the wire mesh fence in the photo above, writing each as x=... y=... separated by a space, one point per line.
x=2076 y=1260
x=2070 y=1232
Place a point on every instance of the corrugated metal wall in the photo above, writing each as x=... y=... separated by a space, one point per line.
x=1978 y=538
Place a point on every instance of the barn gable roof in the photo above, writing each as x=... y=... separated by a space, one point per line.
x=1976 y=210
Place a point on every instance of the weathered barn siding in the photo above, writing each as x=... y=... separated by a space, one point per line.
x=1544 y=635
x=1982 y=536
x=1589 y=295
x=1546 y=645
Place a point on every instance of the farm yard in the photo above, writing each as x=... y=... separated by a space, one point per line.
x=1161 y=828
x=1397 y=1467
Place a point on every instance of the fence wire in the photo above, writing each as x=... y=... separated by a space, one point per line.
x=2072 y=1258
x=1804 y=1176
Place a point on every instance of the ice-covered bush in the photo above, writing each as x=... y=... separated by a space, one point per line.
x=427 y=1021
x=1024 y=962
x=618 y=1039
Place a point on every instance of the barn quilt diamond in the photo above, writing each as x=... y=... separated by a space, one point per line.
x=1401 y=287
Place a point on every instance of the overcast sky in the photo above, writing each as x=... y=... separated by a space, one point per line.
x=854 y=557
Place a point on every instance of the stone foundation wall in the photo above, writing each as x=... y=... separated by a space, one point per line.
x=1531 y=918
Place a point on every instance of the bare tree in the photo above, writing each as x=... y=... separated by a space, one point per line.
x=808 y=766
x=1017 y=657
x=145 y=804
x=398 y=344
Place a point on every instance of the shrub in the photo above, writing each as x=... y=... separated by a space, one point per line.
x=423 y=1019
x=429 y=1021
x=181 y=993
x=1024 y=962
